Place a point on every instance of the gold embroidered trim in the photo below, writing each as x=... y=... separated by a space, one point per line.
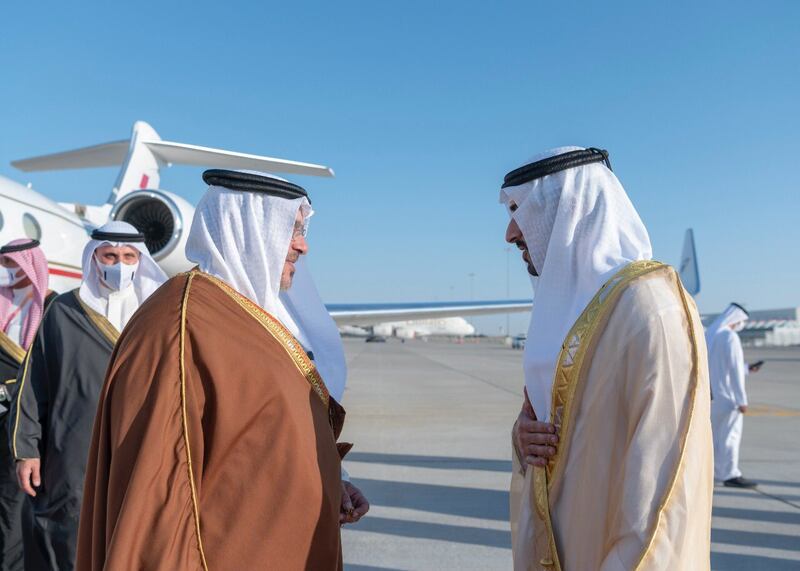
x=567 y=376
x=22 y=386
x=543 y=509
x=185 y=422
x=279 y=332
x=102 y=324
x=685 y=437
x=19 y=401
x=573 y=351
x=12 y=349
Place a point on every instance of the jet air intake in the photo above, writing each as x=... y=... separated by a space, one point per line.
x=164 y=219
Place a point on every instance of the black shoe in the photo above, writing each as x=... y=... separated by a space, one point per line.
x=740 y=483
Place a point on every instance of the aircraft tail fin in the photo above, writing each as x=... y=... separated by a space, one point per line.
x=689 y=269
x=141 y=157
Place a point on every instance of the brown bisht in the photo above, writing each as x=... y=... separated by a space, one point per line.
x=214 y=445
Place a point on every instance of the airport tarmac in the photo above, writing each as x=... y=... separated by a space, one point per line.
x=431 y=425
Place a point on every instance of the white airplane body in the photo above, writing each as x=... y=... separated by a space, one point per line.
x=442 y=327
x=164 y=218
x=24 y=213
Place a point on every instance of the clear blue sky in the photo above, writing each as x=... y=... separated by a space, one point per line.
x=422 y=107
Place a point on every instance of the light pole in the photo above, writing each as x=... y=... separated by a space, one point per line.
x=508 y=289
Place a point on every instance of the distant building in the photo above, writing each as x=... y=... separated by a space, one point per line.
x=769 y=327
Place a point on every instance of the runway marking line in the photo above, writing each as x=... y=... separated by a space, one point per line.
x=769 y=410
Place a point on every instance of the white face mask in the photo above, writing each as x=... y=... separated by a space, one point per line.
x=9 y=277
x=118 y=276
x=738 y=326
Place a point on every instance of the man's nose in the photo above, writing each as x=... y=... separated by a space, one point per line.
x=513 y=233
x=300 y=245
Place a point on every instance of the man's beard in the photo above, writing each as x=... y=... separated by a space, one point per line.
x=286 y=279
x=530 y=267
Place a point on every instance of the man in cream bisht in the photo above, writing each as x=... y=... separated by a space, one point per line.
x=60 y=382
x=215 y=443
x=615 y=368
x=728 y=369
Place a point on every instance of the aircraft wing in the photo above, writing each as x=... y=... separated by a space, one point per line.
x=115 y=153
x=373 y=313
x=103 y=155
x=181 y=153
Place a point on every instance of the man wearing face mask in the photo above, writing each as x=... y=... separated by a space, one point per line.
x=612 y=451
x=59 y=385
x=23 y=298
x=727 y=370
x=215 y=445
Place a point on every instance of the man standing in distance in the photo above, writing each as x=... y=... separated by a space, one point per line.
x=23 y=299
x=619 y=474
x=215 y=444
x=728 y=369
x=59 y=385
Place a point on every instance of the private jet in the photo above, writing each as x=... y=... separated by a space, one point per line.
x=164 y=218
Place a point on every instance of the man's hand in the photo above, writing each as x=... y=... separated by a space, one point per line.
x=28 y=476
x=354 y=504
x=536 y=441
x=742 y=408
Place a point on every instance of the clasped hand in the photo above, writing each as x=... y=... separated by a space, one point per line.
x=536 y=441
x=354 y=504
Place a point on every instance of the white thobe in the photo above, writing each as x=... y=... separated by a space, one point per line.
x=727 y=370
x=118 y=306
x=15 y=326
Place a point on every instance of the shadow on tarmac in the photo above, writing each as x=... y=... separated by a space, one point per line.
x=759 y=515
x=441 y=462
x=443 y=532
x=451 y=500
x=493 y=505
x=754 y=562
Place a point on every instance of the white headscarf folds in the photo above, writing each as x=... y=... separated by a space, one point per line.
x=148 y=277
x=734 y=313
x=243 y=238
x=580 y=228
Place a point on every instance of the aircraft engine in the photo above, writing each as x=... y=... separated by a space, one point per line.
x=164 y=218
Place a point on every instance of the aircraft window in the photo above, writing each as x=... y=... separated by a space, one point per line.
x=31 y=227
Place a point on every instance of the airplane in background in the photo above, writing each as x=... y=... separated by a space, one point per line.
x=413 y=329
x=368 y=319
x=164 y=218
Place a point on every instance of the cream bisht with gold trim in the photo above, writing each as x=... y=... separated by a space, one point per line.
x=615 y=359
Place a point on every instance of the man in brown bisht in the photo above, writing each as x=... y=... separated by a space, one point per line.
x=215 y=441
x=612 y=452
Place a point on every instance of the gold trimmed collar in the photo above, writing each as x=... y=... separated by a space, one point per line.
x=102 y=324
x=279 y=332
x=573 y=351
x=12 y=349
